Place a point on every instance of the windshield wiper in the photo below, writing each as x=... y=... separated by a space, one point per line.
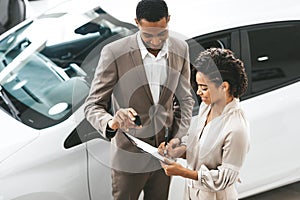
x=13 y=110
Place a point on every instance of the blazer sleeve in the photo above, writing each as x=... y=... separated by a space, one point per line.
x=235 y=148
x=97 y=103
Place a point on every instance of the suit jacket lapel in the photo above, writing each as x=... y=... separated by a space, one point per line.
x=163 y=97
x=166 y=89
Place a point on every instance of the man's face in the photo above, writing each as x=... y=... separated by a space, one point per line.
x=154 y=34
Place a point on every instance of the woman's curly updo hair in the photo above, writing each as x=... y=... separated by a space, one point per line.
x=220 y=65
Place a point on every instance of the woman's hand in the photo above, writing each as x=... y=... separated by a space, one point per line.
x=175 y=169
x=172 y=168
x=162 y=149
x=173 y=149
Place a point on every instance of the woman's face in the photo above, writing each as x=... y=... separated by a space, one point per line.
x=207 y=90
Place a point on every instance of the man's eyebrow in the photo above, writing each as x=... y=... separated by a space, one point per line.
x=160 y=33
x=148 y=34
x=202 y=85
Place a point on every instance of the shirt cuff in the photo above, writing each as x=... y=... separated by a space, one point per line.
x=110 y=133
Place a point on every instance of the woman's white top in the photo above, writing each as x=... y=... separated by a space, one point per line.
x=217 y=151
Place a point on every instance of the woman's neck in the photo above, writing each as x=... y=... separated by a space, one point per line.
x=218 y=107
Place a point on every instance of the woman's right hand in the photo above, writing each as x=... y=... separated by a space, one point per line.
x=173 y=149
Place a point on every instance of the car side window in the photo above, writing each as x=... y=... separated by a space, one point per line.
x=274 y=52
x=82 y=133
x=198 y=44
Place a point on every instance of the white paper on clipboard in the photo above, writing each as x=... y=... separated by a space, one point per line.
x=146 y=147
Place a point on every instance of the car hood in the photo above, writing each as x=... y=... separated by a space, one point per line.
x=13 y=136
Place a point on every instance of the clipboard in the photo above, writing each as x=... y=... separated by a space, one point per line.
x=145 y=147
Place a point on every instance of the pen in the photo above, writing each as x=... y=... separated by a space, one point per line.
x=166 y=135
x=166 y=139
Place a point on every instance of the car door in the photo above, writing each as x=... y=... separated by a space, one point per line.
x=271 y=55
x=99 y=167
x=97 y=150
x=269 y=52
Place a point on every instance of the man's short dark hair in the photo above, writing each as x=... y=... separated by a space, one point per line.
x=152 y=10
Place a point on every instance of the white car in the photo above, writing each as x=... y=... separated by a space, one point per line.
x=49 y=151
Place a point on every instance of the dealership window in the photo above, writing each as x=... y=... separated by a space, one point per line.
x=275 y=56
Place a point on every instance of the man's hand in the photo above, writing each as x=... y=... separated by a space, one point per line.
x=123 y=119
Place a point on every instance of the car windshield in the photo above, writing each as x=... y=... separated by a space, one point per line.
x=44 y=70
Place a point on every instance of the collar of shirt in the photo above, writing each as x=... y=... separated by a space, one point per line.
x=144 y=52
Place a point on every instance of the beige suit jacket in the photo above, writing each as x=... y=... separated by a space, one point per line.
x=120 y=81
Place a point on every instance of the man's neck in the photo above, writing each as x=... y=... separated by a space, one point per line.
x=153 y=51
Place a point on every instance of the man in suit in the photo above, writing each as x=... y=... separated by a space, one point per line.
x=141 y=74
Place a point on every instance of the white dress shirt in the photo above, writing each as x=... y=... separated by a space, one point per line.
x=155 y=67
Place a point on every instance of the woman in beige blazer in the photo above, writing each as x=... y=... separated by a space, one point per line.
x=216 y=145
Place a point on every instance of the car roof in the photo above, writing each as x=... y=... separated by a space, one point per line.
x=197 y=17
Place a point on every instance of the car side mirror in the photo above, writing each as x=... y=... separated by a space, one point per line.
x=87 y=28
x=92 y=28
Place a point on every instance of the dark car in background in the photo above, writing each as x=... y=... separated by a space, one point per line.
x=12 y=12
